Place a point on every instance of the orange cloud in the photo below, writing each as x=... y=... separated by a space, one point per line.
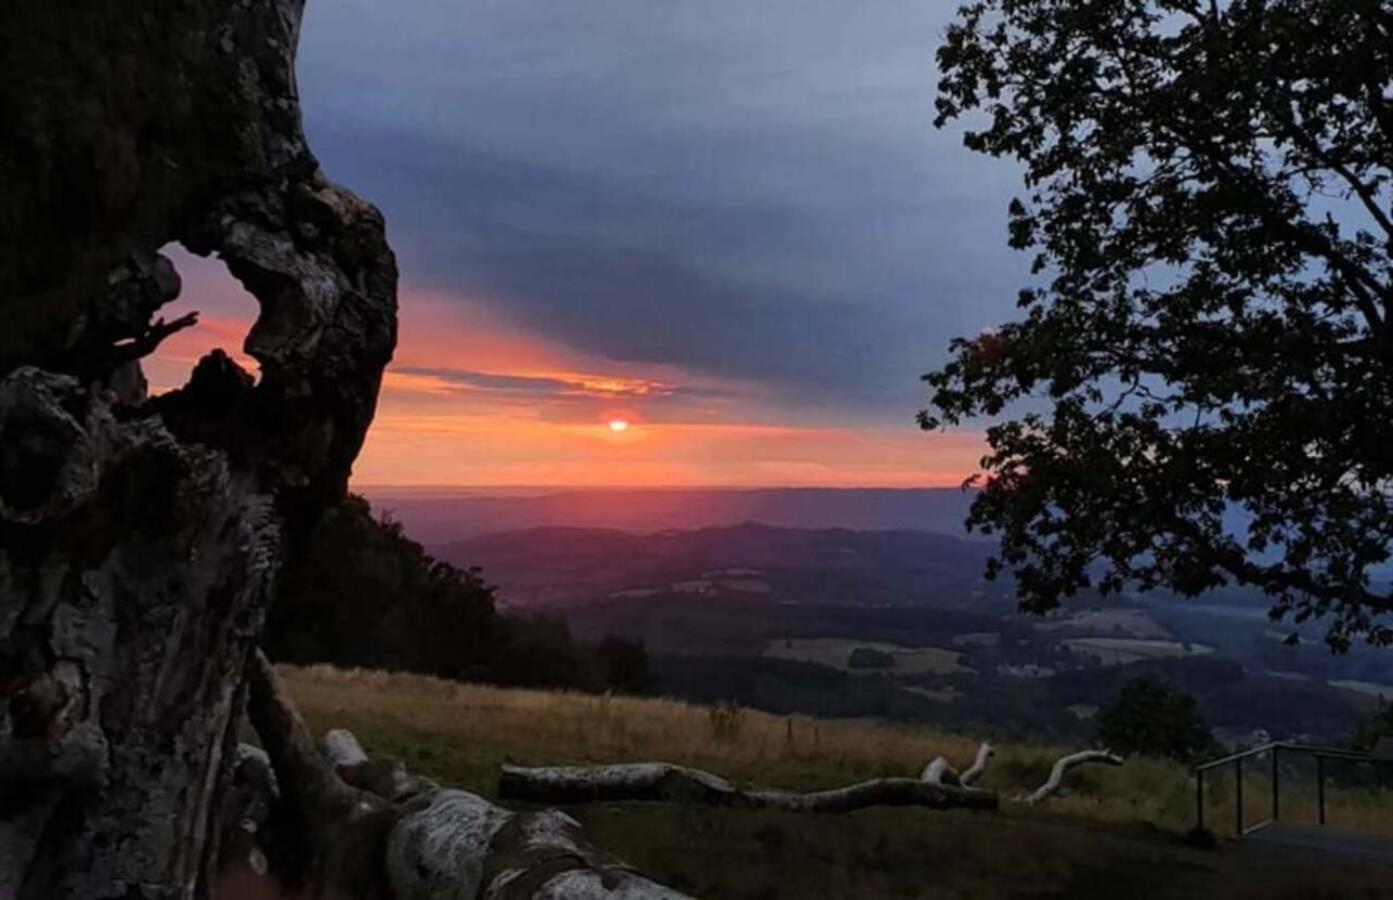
x=470 y=400
x=496 y=451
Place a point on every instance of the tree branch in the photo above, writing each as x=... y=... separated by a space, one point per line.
x=979 y=765
x=1064 y=764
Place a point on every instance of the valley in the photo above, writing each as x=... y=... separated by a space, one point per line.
x=900 y=625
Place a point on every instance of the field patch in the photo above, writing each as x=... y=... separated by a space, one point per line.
x=1133 y=623
x=977 y=639
x=1120 y=651
x=836 y=652
x=1370 y=688
x=938 y=695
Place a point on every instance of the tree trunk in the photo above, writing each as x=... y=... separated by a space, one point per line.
x=140 y=537
x=366 y=829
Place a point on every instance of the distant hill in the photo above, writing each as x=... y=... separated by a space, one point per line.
x=436 y=516
x=569 y=566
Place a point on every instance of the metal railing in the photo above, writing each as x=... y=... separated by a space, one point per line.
x=1277 y=748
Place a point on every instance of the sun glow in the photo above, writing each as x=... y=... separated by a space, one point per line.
x=618 y=425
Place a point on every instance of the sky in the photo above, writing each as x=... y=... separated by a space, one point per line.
x=729 y=224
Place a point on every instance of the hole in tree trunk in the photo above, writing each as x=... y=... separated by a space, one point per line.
x=226 y=312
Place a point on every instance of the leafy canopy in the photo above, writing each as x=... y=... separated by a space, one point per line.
x=1209 y=207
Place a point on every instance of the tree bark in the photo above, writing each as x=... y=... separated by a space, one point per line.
x=374 y=831
x=139 y=536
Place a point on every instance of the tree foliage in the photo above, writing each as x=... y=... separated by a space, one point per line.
x=1376 y=726
x=1210 y=213
x=1152 y=717
x=362 y=593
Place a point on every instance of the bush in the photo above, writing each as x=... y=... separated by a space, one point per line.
x=1152 y=717
x=1379 y=725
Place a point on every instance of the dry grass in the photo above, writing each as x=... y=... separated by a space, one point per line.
x=1111 y=833
x=460 y=733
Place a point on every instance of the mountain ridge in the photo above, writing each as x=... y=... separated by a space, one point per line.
x=445 y=517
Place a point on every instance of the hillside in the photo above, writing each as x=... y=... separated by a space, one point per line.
x=769 y=616
x=1113 y=827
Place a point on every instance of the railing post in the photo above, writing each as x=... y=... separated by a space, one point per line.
x=1320 y=786
x=1238 y=783
x=1199 y=800
x=1276 y=788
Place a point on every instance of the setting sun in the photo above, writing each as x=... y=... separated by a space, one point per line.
x=618 y=425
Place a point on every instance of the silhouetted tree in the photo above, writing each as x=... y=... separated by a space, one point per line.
x=1378 y=725
x=1210 y=209
x=1152 y=717
x=362 y=593
x=623 y=664
x=449 y=627
x=537 y=650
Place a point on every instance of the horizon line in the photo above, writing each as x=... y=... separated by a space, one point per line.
x=650 y=487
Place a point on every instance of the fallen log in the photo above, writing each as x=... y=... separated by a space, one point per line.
x=367 y=829
x=1064 y=764
x=665 y=782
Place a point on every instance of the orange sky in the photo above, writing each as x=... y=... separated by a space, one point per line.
x=472 y=401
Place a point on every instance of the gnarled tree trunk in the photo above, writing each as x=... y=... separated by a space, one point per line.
x=139 y=536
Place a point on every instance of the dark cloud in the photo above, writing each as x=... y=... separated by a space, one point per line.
x=744 y=190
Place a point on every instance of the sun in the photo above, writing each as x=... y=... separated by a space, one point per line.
x=618 y=425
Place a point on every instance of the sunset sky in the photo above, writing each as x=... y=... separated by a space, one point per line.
x=730 y=225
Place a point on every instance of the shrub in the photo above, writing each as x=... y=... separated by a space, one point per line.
x=1152 y=717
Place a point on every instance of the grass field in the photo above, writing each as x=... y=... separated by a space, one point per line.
x=1115 y=832
x=1369 y=688
x=835 y=652
x=1133 y=622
